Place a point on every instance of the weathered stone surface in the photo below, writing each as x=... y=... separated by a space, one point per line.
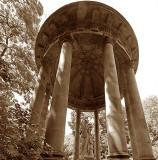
x=114 y=119
x=77 y=136
x=57 y=115
x=141 y=144
x=53 y=158
x=89 y=158
x=97 y=137
x=87 y=22
x=85 y=25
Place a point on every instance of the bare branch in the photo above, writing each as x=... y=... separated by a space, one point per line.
x=5 y=49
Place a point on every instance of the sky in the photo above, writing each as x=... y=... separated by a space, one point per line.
x=143 y=17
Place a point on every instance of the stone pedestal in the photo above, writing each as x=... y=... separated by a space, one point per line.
x=55 y=158
x=89 y=158
x=118 y=158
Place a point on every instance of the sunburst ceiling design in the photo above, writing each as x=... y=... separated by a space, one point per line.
x=88 y=23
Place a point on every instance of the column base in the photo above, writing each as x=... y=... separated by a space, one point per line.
x=147 y=158
x=118 y=157
x=88 y=158
x=53 y=156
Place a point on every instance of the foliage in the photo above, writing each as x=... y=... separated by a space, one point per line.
x=150 y=105
x=102 y=125
x=103 y=134
x=19 y=23
x=84 y=115
x=13 y=123
x=68 y=146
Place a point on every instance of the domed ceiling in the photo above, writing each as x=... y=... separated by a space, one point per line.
x=88 y=23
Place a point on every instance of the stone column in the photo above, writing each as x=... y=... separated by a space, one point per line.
x=115 y=126
x=44 y=113
x=38 y=97
x=36 y=104
x=57 y=117
x=140 y=140
x=97 y=137
x=77 y=135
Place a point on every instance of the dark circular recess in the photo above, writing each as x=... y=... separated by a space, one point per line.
x=88 y=22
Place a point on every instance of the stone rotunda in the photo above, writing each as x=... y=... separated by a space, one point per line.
x=87 y=55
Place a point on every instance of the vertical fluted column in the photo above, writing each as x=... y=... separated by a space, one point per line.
x=57 y=117
x=97 y=139
x=140 y=140
x=115 y=126
x=77 y=135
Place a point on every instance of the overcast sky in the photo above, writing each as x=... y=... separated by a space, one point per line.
x=143 y=17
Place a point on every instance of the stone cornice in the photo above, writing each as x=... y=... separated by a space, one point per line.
x=85 y=24
x=97 y=19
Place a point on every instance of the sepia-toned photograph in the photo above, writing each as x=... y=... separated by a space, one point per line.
x=78 y=80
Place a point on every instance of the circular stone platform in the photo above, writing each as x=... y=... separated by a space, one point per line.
x=88 y=23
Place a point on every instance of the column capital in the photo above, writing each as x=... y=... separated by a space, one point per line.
x=108 y=40
x=48 y=90
x=66 y=38
x=128 y=64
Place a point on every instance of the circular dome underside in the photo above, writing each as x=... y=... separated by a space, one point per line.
x=89 y=22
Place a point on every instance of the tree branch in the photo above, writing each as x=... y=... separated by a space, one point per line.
x=5 y=49
x=155 y=139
